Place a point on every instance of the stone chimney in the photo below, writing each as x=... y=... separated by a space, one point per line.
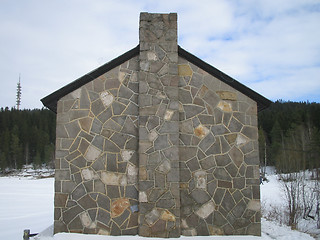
x=159 y=197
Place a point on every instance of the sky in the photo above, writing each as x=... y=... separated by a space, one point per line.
x=273 y=46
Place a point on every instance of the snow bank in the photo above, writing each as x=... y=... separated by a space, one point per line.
x=272 y=230
x=25 y=204
x=29 y=171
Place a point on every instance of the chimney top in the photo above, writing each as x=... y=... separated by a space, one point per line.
x=158 y=29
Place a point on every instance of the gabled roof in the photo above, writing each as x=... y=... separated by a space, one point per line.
x=52 y=99
x=262 y=102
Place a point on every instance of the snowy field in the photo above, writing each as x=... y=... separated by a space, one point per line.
x=27 y=203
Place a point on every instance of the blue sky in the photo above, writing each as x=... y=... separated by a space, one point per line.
x=271 y=46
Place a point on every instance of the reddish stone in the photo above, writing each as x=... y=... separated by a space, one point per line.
x=201 y=131
x=60 y=199
x=224 y=184
x=118 y=206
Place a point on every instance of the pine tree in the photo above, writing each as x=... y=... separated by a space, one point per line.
x=262 y=150
x=15 y=147
x=276 y=141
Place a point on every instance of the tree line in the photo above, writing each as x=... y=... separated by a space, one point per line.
x=289 y=136
x=289 y=132
x=26 y=137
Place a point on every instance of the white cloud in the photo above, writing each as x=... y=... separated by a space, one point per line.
x=297 y=86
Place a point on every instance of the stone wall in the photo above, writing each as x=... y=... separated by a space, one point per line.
x=219 y=167
x=157 y=147
x=159 y=127
x=96 y=155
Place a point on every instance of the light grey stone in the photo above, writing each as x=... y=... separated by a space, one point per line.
x=152 y=216
x=200 y=179
x=205 y=210
x=164 y=167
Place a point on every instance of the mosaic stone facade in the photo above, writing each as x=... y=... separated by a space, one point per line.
x=157 y=147
x=218 y=156
x=96 y=187
x=159 y=127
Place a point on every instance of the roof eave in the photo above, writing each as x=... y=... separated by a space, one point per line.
x=52 y=99
x=262 y=102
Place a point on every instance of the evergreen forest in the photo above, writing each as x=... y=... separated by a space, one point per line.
x=26 y=136
x=289 y=136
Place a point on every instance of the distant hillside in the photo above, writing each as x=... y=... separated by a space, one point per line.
x=26 y=136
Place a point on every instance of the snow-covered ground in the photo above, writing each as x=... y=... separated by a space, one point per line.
x=27 y=203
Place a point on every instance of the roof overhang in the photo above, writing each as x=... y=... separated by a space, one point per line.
x=52 y=99
x=262 y=102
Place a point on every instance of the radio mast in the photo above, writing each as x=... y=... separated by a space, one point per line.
x=19 y=92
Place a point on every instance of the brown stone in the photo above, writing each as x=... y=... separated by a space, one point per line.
x=203 y=90
x=143 y=173
x=226 y=95
x=184 y=185
x=85 y=123
x=60 y=199
x=215 y=230
x=184 y=70
x=167 y=216
x=118 y=206
x=201 y=131
x=231 y=138
x=189 y=232
x=224 y=184
x=225 y=106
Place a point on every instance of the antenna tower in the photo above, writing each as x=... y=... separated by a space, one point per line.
x=19 y=93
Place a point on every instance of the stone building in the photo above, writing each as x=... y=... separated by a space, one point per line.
x=158 y=143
